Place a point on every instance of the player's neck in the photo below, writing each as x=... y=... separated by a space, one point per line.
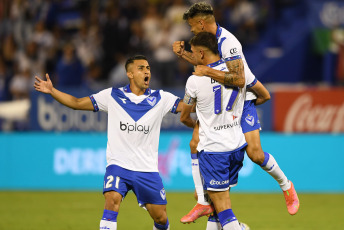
x=211 y=59
x=213 y=28
x=136 y=90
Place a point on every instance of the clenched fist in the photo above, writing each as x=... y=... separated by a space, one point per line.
x=178 y=48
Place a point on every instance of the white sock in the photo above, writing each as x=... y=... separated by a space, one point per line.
x=196 y=175
x=213 y=225
x=274 y=170
x=234 y=225
x=104 y=224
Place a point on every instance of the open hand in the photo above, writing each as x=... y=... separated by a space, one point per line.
x=200 y=70
x=44 y=86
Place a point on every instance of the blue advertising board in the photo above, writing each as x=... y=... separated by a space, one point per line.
x=76 y=161
x=46 y=114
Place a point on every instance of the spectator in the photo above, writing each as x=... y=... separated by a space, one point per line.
x=69 y=69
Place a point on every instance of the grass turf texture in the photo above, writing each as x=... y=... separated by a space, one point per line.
x=83 y=210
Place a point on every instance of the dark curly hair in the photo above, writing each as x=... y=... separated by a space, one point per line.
x=199 y=8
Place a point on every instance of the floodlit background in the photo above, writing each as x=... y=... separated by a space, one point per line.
x=294 y=47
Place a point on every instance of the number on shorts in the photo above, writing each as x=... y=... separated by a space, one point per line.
x=117 y=181
x=218 y=98
x=109 y=182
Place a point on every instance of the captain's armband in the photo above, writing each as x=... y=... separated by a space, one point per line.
x=188 y=99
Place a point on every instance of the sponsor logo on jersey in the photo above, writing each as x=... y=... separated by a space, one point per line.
x=124 y=100
x=215 y=182
x=151 y=100
x=226 y=126
x=249 y=120
x=233 y=51
x=133 y=128
x=163 y=194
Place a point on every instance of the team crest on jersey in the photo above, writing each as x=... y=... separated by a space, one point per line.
x=249 y=120
x=151 y=100
x=163 y=194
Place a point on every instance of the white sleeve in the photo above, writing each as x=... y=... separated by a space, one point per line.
x=170 y=102
x=100 y=100
x=250 y=78
x=191 y=87
x=231 y=49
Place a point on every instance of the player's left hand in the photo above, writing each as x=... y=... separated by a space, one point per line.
x=201 y=70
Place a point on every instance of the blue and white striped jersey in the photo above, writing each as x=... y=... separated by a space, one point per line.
x=219 y=110
x=231 y=49
x=134 y=125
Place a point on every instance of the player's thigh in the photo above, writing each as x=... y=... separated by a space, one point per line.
x=157 y=212
x=149 y=189
x=220 y=171
x=117 y=183
x=254 y=149
x=112 y=200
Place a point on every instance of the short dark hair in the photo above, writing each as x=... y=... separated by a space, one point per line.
x=207 y=40
x=199 y=8
x=132 y=59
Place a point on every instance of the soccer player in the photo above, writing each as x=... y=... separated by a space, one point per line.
x=135 y=113
x=200 y=17
x=222 y=143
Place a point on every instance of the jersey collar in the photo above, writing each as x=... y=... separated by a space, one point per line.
x=128 y=90
x=218 y=31
x=212 y=65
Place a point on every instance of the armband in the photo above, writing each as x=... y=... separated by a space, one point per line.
x=188 y=99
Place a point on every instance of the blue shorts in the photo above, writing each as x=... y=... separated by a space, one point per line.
x=249 y=119
x=220 y=170
x=147 y=186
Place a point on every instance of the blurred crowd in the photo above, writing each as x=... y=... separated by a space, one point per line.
x=83 y=43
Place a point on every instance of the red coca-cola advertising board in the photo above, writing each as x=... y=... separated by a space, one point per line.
x=309 y=110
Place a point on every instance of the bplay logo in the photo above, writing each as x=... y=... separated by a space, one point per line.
x=133 y=128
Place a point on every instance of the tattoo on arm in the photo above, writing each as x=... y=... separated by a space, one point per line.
x=235 y=76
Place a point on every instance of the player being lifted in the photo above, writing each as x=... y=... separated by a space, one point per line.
x=200 y=17
x=135 y=113
x=222 y=143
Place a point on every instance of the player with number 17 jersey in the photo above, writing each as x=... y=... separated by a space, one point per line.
x=219 y=110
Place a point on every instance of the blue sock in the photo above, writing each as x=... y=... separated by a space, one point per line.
x=110 y=215
x=162 y=227
x=266 y=159
x=226 y=217
x=214 y=217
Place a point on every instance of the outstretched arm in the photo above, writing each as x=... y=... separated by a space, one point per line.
x=234 y=77
x=70 y=101
x=262 y=93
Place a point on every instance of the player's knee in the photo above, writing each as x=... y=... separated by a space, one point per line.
x=255 y=153
x=193 y=145
x=161 y=218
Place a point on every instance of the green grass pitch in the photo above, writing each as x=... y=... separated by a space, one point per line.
x=83 y=210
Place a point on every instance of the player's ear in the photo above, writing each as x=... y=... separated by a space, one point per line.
x=201 y=22
x=130 y=75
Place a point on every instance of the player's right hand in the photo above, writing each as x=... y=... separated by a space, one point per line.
x=44 y=86
x=178 y=47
